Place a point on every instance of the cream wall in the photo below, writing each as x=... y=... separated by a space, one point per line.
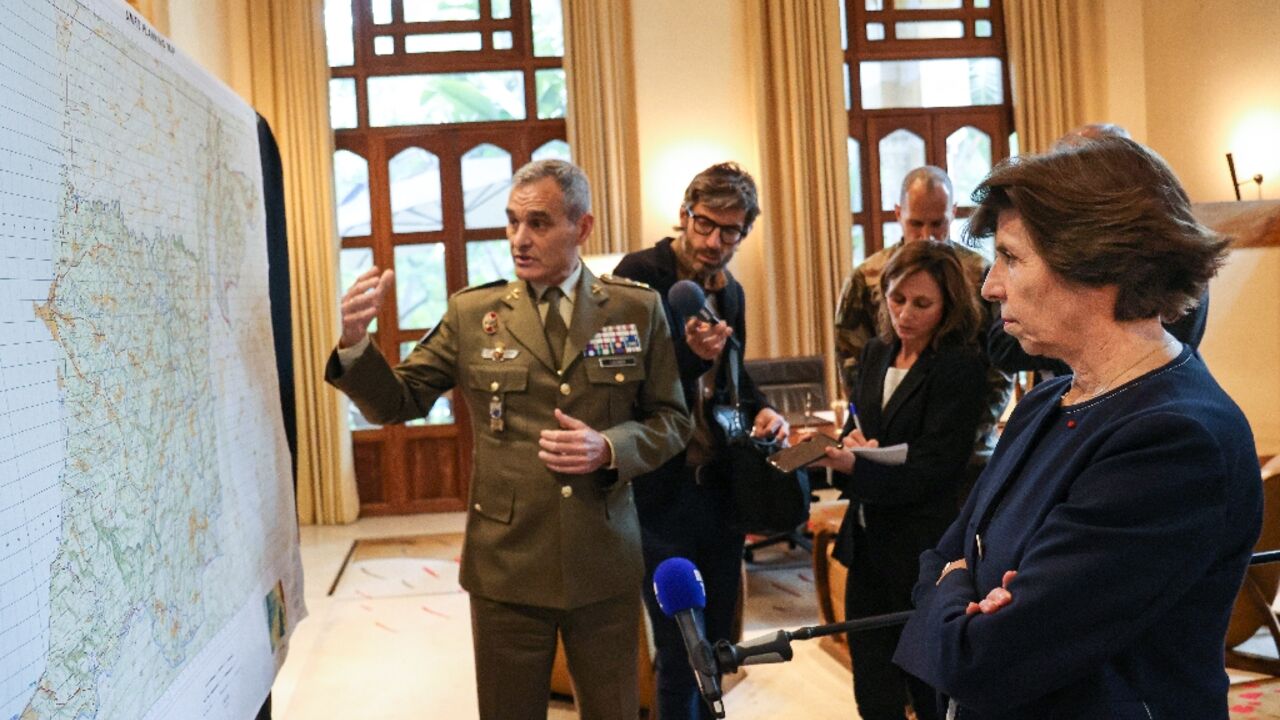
x=1211 y=69
x=1210 y=87
x=1122 y=96
x=1192 y=78
x=1242 y=342
x=695 y=108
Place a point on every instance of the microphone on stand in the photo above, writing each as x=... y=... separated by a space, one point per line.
x=776 y=647
x=682 y=598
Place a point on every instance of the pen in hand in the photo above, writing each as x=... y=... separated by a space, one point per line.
x=857 y=424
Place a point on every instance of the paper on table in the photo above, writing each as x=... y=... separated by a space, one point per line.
x=891 y=455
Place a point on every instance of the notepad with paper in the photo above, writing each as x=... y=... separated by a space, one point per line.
x=891 y=455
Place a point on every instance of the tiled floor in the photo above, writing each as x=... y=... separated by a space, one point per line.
x=396 y=670
x=324 y=549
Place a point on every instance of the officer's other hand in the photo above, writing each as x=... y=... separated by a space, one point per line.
x=361 y=302
x=575 y=449
x=704 y=339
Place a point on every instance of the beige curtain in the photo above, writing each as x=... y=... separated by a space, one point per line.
x=1053 y=67
x=288 y=72
x=601 y=120
x=794 y=46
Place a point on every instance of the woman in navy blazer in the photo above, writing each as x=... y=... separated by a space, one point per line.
x=1091 y=573
x=922 y=382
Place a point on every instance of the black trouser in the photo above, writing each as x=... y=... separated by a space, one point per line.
x=881 y=690
x=693 y=525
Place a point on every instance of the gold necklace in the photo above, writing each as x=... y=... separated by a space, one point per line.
x=1110 y=383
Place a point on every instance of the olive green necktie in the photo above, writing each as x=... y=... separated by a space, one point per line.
x=557 y=332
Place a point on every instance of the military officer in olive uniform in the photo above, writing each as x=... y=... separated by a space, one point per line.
x=572 y=388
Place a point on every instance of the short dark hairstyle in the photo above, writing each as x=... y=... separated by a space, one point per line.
x=1109 y=212
x=725 y=186
x=961 y=315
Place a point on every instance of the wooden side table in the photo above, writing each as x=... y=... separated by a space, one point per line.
x=829 y=574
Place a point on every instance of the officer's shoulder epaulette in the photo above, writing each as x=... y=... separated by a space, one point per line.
x=625 y=282
x=484 y=286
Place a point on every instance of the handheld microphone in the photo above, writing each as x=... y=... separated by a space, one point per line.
x=681 y=596
x=689 y=300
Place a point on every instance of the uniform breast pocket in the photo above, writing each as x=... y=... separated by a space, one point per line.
x=497 y=378
x=622 y=376
x=492 y=389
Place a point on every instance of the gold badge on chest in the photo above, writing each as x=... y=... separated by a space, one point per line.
x=499 y=353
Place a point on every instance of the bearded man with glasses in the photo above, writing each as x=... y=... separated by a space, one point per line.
x=684 y=505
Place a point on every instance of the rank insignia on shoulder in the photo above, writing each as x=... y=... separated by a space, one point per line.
x=482 y=286
x=623 y=339
x=618 y=280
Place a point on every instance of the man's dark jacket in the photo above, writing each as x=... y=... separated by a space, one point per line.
x=656 y=267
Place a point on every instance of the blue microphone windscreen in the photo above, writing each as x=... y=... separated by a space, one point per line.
x=678 y=585
x=687 y=298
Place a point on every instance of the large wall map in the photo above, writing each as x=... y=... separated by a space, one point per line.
x=148 y=546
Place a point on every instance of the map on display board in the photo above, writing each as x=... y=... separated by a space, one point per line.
x=149 y=562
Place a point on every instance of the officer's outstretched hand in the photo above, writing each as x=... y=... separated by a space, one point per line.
x=574 y=450
x=361 y=302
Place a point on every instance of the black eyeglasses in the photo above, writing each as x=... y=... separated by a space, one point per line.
x=729 y=234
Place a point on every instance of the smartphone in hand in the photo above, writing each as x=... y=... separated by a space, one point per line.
x=797 y=456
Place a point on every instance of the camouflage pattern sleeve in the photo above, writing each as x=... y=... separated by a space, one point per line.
x=855 y=324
